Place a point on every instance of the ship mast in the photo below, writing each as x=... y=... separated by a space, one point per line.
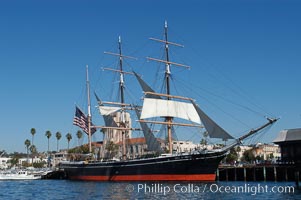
x=169 y=120
x=122 y=125
x=167 y=78
x=121 y=87
x=89 y=109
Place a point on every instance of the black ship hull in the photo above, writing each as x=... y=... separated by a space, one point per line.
x=191 y=167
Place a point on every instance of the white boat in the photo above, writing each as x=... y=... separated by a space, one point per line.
x=20 y=175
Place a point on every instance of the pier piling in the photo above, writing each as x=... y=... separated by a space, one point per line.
x=275 y=174
x=297 y=180
x=258 y=173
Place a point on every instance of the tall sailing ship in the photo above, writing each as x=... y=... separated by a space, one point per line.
x=162 y=163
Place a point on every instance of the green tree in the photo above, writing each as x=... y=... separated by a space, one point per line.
x=58 y=136
x=238 y=149
x=33 y=132
x=69 y=138
x=27 y=145
x=39 y=164
x=203 y=142
x=83 y=149
x=259 y=158
x=79 y=135
x=48 y=135
x=232 y=156
x=33 y=151
x=112 y=149
x=271 y=156
x=3 y=153
x=14 y=161
x=205 y=138
x=248 y=155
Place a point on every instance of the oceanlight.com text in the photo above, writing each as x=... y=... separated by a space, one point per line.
x=165 y=189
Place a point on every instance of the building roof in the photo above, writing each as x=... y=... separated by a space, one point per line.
x=131 y=141
x=288 y=135
x=134 y=141
x=97 y=144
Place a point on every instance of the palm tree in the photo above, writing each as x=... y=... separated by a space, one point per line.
x=112 y=149
x=33 y=132
x=48 y=135
x=69 y=137
x=58 y=136
x=27 y=144
x=33 y=150
x=79 y=135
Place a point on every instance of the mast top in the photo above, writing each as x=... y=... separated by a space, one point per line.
x=166 y=42
x=121 y=56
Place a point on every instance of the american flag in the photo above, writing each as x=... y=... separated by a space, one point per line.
x=81 y=121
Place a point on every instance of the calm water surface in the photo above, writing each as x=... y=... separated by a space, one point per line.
x=63 y=189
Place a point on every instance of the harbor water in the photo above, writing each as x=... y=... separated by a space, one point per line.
x=66 y=189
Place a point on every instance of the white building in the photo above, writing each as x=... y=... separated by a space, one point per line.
x=183 y=146
x=59 y=157
x=29 y=160
x=261 y=150
x=4 y=163
x=266 y=150
x=116 y=135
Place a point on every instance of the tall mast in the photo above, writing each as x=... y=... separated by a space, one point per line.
x=89 y=108
x=121 y=85
x=121 y=72
x=167 y=77
x=167 y=70
x=122 y=126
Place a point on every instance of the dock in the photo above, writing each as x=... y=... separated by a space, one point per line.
x=258 y=173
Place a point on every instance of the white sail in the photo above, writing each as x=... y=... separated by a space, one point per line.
x=169 y=108
x=107 y=110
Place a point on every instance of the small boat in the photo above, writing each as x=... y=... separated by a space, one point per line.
x=20 y=175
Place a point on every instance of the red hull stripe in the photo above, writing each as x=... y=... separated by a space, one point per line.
x=155 y=177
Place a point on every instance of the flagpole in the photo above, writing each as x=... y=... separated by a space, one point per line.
x=89 y=110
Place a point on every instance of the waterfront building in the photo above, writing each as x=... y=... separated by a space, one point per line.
x=267 y=151
x=290 y=144
x=59 y=157
x=264 y=151
x=36 y=159
x=183 y=146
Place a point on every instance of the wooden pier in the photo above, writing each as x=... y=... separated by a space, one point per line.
x=258 y=173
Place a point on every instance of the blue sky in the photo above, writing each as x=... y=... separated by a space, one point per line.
x=250 y=47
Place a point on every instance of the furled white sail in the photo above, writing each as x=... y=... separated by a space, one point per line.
x=107 y=110
x=169 y=108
